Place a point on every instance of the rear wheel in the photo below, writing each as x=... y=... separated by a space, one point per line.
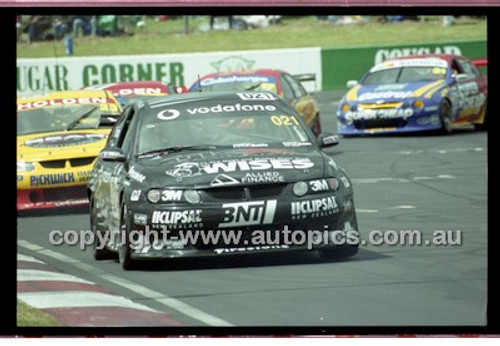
x=445 y=108
x=124 y=249
x=100 y=236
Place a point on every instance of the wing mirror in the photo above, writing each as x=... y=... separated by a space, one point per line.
x=112 y=155
x=461 y=77
x=327 y=139
x=352 y=83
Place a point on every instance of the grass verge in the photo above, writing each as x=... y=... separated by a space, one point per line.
x=28 y=316
x=167 y=37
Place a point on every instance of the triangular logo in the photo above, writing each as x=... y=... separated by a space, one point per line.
x=223 y=179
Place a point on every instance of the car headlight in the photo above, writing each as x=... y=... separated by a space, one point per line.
x=154 y=195
x=300 y=188
x=345 y=107
x=192 y=196
x=23 y=166
x=418 y=104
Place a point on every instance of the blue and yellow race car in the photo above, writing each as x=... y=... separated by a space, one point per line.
x=415 y=93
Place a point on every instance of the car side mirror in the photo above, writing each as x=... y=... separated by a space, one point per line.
x=461 y=77
x=112 y=155
x=327 y=139
x=352 y=83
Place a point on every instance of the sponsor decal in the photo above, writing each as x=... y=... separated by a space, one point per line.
x=224 y=179
x=384 y=113
x=140 y=219
x=64 y=140
x=171 y=195
x=332 y=163
x=190 y=169
x=319 y=185
x=248 y=213
x=384 y=95
x=345 y=181
x=263 y=177
x=429 y=62
x=297 y=144
x=235 y=79
x=250 y=145
x=314 y=208
x=136 y=175
x=71 y=202
x=249 y=248
x=135 y=195
x=50 y=179
x=139 y=91
x=66 y=101
x=175 y=218
x=170 y=114
x=84 y=175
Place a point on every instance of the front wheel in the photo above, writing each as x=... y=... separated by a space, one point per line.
x=124 y=249
x=100 y=236
x=446 y=115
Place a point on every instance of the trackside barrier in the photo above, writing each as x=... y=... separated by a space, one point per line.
x=332 y=67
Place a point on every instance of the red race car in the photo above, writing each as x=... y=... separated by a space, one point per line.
x=277 y=81
x=126 y=92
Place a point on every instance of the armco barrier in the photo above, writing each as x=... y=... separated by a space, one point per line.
x=342 y=64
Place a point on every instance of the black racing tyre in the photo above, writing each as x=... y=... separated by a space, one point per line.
x=332 y=253
x=484 y=125
x=445 y=116
x=99 y=252
x=124 y=249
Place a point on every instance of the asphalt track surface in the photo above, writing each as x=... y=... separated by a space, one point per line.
x=420 y=182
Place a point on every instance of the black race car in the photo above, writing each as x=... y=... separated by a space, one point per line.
x=211 y=174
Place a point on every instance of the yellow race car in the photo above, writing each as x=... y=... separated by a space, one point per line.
x=59 y=136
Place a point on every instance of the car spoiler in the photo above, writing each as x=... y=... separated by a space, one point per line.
x=480 y=62
x=305 y=77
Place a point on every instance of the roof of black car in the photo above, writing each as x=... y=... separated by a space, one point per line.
x=228 y=96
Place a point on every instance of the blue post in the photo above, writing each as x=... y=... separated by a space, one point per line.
x=68 y=42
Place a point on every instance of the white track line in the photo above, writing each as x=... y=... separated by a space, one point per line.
x=77 y=299
x=45 y=275
x=399 y=180
x=24 y=258
x=159 y=297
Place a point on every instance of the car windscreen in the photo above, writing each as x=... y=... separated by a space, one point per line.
x=405 y=75
x=57 y=118
x=238 y=83
x=238 y=125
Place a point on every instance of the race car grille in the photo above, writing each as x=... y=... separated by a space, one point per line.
x=53 y=164
x=380 y=105
x=238 y=193
x=58 y=194
x=81 y=161
x=379 y=123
